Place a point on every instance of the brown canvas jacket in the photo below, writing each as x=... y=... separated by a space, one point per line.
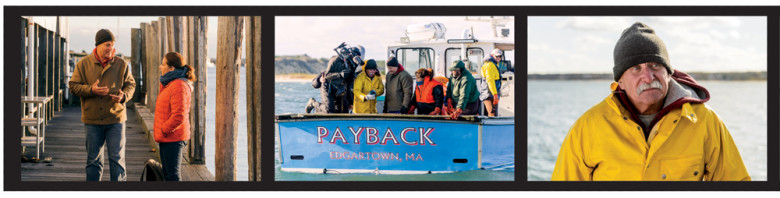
x=116 y=75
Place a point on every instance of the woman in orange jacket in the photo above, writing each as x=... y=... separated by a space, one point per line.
x=172 y=113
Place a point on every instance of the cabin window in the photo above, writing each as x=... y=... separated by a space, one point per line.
x=475 y=56
x=415 y=58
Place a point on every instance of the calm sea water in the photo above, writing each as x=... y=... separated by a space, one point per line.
x=554 y=106
x=291 y=97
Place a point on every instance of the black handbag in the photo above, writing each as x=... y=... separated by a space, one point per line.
x=152 y=171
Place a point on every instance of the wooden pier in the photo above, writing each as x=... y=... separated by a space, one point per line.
x=65 y=137
x=64 y=158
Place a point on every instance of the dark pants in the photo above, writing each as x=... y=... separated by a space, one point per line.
x=425 y=108
x=112 y=137
x=471 y=108
x=170 y=158
x=334 y=105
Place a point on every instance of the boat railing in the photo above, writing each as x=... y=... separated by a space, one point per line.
x=405 y=117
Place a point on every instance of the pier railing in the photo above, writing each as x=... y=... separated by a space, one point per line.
x=44 y=75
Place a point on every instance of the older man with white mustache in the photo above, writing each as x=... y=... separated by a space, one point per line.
x=654 y=126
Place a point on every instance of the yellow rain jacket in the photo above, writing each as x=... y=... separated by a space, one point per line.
x=490 y=74
x=364 y=85
x=688 y=143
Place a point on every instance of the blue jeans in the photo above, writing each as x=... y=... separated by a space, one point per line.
x=170 y=158
x=113 y=137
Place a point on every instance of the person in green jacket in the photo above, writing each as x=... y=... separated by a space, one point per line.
x=462 y=95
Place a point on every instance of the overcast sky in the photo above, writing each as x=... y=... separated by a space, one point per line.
x=317 y=36
x=585 y=44
x=555 y=44
x=82 y=31
x=320 y=36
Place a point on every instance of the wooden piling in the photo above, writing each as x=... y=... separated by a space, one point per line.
x=55 y=74
x=177 y=35
x=59 y=75
x=136 y=47
x=184 y=41
x=146 y=61
x=228 y=63
x=23 y=76
x=41 y=69
x=144 y=82
x=189 y=40
x=168 y=31
x=61 y=71
x=163 y=33
x=153 y=58
x=55 y=60
x=49 y=48
x=253 y=99
x=199 y=61
x=56 y=67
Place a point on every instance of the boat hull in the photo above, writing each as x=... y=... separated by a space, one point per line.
x=393 y=145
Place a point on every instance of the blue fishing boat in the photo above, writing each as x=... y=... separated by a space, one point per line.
x=410 y=144
x=393 y=144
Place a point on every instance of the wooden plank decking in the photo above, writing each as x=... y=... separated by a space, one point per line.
x=65 y=144
x=189 y=172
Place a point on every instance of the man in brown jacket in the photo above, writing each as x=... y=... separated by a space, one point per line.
x=398 y=88
x=104 y=84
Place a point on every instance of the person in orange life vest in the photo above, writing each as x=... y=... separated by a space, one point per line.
x=428 y=94
x=172 y=113
x=444 y=81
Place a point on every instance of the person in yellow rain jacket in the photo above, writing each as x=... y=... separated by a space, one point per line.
x=491 y=82
x=654 y=126
x=368 y=85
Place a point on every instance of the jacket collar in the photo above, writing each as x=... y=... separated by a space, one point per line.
x=102 y=63
x=364 y=75
x=177 y=73
x=492 y=60
x=683 y=89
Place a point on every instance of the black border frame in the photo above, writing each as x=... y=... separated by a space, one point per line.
x=12 y=172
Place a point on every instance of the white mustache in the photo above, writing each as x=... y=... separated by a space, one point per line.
x=643 y=87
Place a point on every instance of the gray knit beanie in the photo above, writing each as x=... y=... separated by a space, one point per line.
x=638 y=44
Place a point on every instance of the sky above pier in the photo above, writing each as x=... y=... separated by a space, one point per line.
x=82 y=30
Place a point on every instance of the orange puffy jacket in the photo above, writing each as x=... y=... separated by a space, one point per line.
x=172 y=113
